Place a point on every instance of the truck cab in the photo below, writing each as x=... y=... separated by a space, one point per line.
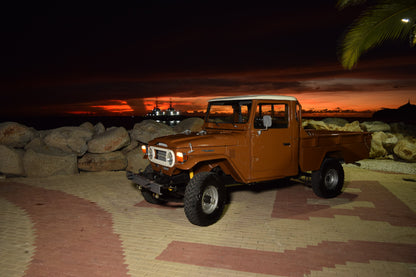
x=251 y=139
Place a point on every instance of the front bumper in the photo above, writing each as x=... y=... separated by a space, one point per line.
x=144 y=182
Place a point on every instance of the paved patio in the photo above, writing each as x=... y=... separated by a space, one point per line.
x=97 y=224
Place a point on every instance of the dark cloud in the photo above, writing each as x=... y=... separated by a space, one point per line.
x=63 y=56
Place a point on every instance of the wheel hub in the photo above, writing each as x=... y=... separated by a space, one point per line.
x=209 y=199
x=331 y=179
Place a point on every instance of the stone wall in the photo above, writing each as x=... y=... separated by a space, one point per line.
x=25 y=151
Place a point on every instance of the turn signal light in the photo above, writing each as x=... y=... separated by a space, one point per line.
x=181 y=157
x=144 y=149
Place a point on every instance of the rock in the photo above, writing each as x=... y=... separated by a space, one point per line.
x=405 y=149
x=352 y=127
x=194 y=124
x=133 y=144
x=103 y=162
x=377 y=150
x=88 y=126
x=69 y=139
x=375 y=126
x=335 y=121
x=390 y=142
x=35 y=143
x=111 y=140
x=11 y=161
x=147 y=130
x=15 y=135
x=44 y=163
x=402 y=128
x=135 y=161
x=99 y=128
x=313 y=124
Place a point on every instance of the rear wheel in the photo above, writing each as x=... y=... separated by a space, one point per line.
x=204 y=199
x=327 y=182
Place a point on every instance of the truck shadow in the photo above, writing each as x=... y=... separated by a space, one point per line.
x=292 y=190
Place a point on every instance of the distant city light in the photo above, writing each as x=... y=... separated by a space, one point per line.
x=405 y=20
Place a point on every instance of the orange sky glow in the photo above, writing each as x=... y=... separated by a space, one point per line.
x=119 y=60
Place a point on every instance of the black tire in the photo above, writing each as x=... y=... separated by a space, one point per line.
x=148 y=195
x=204 y=199
x=329 y=180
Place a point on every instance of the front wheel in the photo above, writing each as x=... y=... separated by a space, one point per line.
x=148 y=195
x=204 y=199
x=327 y=182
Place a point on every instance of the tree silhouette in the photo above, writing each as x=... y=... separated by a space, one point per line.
x=384 y=20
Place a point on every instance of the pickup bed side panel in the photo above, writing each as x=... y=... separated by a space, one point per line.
x=346 y=146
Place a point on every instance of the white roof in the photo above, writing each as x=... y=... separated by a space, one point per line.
x=252 y=97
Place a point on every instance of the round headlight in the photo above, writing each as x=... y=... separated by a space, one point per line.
x=150 y=153
x=169 y=158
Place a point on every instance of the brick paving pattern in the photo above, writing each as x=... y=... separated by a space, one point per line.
x=97 y=224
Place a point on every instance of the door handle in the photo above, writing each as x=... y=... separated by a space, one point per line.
x=286 y=143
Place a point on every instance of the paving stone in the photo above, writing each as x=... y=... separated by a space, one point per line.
x=369 y=230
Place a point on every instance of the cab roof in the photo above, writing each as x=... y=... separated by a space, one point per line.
x=253 y=97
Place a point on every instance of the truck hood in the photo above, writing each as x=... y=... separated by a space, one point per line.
x=211 y=139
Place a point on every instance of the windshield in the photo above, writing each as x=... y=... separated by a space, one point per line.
x=229 y=112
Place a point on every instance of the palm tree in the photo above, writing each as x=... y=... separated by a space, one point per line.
x=394 y=19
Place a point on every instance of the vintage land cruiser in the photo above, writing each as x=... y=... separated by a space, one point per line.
x=251 y=139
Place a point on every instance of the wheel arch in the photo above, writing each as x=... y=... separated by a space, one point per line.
x=222 y=165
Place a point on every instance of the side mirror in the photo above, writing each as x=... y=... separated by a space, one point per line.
x=267 y=121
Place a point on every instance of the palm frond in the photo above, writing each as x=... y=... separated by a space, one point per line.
x=341 y=4
x=381 y=22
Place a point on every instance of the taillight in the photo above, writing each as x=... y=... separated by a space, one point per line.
x=181 y=157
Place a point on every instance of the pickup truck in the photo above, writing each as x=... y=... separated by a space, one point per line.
x=251 y=139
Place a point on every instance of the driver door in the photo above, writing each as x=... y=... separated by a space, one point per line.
x=272 y=148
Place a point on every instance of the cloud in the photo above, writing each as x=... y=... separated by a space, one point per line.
x=328 y=82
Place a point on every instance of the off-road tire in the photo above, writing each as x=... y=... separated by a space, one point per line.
x=327 y=182
x=204 y=199
x=148 y=195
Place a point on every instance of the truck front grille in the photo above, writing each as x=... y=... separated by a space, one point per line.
x=162 y=156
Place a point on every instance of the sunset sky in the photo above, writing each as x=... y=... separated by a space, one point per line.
x=117 y=59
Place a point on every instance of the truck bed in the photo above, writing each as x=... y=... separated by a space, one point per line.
x=315 y=145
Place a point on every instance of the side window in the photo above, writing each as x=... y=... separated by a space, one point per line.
x=278 y=113
x=298 y=110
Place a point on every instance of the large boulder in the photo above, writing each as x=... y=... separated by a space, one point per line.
x=133 y=144
x=36 y=143
x=389 y=142
x=109 y=141
x=375 y=126
x=405 y=149
x=11 y=161
x=15 y=134
x=147 y=130
x=335 y=121
x=103 y=162
x=69 y=139
x=352 y=127
x=404 y=129
x=313 y=124
x=377 y=149
x=194 y=124
x=99 y=128
x=87 y=125
x=135 y=161
x=47 y=162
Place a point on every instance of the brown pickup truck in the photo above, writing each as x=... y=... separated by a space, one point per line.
x=251 y=139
